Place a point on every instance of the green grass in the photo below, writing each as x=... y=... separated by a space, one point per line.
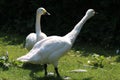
x=76 y=58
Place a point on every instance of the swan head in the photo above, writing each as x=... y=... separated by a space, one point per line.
x=90 y=13
x=42 y=11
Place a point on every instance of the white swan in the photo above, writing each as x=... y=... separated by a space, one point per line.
x=32 y=38
x=50 y=49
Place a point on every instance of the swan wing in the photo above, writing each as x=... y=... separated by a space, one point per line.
x=30 y=41
x=46 y=49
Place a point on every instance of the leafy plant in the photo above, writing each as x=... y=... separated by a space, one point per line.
x=97 y=61
x=5 y=63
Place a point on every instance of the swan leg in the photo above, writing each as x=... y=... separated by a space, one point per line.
x=56 y=70
x=45 y=67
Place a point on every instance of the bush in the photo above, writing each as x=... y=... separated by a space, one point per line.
x=19 y=17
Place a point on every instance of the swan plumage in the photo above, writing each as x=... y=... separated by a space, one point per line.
x=44 y=52
x=32 y=38
x=50 y=49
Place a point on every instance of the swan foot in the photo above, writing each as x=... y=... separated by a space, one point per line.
x=56 y=70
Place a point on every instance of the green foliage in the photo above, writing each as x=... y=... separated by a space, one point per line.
x=5 y=63
x=97 y=61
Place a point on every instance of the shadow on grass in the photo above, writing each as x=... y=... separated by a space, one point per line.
x=33 y=67
x=89 y=78
x=36 y=68
x=47 y=78
x=89 y=49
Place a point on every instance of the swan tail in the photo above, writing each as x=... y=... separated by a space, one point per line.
x=23 y=59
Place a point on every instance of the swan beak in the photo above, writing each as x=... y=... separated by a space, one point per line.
x=47 y=13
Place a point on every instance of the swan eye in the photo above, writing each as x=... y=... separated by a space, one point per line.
x=44 y=11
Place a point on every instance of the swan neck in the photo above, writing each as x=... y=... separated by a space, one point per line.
x=79 y=25
x=38 y=25
x=76 y=30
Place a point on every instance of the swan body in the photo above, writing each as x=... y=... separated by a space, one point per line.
x=50 y=49
x=32 y=38
x=47 y=53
